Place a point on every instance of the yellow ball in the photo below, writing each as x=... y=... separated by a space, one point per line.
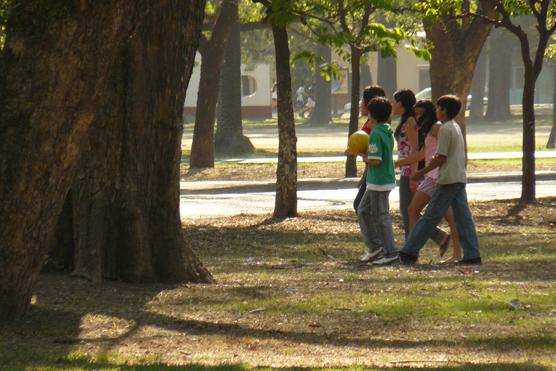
x=358 y=142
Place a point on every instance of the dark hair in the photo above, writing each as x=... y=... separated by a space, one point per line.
x=451 y=104
x=407 y=99
x=371 y=92
x=428 y=118
x=380 y=109
x=425 y=123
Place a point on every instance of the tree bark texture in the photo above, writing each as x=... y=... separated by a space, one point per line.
x=351 y=165
x=49 y=88
x=229 y=138
x=387 y=74
x=286 y=173
x=500 y=51
x=125 y=198
x=323 y=95
x=528 y=160
x=365 y=77
x=212 y=52
x=477 y=106
x=454 y=56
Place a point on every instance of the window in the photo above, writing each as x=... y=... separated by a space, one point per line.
x=248 y=85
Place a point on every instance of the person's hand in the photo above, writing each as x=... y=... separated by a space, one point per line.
x=397 y=163
x=348 y=152
x=415 y=177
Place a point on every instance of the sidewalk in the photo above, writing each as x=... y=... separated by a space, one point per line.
x=236 y=186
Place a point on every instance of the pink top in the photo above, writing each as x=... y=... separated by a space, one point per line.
x=430 y=151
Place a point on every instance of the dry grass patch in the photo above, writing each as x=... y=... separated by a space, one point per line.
x=238 y=171
x=291 y=293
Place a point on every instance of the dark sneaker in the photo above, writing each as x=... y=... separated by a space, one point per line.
x=385 y=260
x=472 y=261
x=407 y=259
x=370 y=255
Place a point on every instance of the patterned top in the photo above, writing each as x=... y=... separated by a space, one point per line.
x=404 y=150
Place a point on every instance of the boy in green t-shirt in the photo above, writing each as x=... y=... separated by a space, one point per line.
x=374 y=210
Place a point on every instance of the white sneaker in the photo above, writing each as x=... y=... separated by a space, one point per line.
x=385 y=260
x=370 y=255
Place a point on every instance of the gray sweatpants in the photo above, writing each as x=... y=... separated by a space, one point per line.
x=375 y=222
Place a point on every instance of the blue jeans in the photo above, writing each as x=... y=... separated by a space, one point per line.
x=444 y=196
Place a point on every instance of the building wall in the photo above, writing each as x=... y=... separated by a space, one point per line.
x=256 y=90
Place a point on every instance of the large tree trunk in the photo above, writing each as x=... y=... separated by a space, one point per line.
x=49 y=89
x=229 y=138
x=551 y=143
x=387 y=74
x=454 y=56
x=286 y=172
x=366 y=77
x=212 y=52
x=323 y=94
x=528 y=161
x=477 y=107
x=126 y=195
x=501 y=48
x=351 y=165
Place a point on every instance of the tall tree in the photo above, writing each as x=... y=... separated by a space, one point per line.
x=279 y=14
x=532 y=54
x=500 y=51
x=347 y=24
x=49 y=88
x=478 y=84
x=387 y=74
x=457 y=45
x=125 y=198
x=229 y=138
x=212 y=51
x=322 y=90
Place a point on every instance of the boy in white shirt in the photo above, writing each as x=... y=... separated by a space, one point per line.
x=450 y=190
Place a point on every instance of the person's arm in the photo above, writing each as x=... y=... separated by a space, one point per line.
x=437 y=161
x=373 y=162
x=416 y=157
x=413 y=140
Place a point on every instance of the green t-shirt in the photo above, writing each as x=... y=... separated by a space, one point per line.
x=381 y=145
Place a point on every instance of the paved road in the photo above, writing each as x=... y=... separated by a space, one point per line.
x=228 y=202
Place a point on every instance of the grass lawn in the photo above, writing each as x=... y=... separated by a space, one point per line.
x=292 y=294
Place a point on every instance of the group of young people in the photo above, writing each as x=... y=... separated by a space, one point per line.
x=431 y=158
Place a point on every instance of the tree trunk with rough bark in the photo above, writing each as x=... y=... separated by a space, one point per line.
x=286 y=172
x=454 y=56
x=212 y=52
x=501 y=46
x=366 y=77
x=126 y=195
x=387 y=74
x=477 y=106
x=50 y=86
x=528 y=160
x=323 y=95
x=351 y=165
x=229 y=138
